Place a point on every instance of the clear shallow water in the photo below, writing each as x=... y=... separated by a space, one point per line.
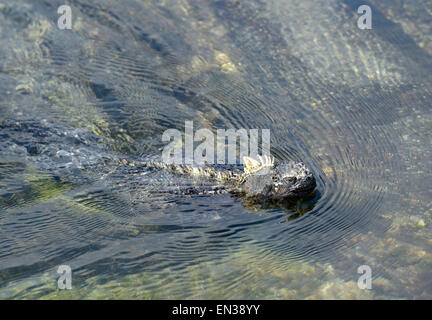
x=353 y=104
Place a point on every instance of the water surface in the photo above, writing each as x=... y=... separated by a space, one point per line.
x=353 y=104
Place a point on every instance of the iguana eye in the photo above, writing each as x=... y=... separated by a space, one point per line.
x=291 y=179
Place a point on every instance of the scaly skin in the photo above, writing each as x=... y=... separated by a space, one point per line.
x=261 y=180
x=62 y=153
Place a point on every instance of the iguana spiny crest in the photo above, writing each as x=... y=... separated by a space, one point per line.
x=260 y=179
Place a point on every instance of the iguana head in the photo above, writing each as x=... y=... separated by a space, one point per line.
x=264 y=179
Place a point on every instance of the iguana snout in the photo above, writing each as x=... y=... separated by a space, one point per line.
x=287 y=179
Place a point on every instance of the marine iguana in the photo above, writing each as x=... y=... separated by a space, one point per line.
x=261 y=180
x=63 y=152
